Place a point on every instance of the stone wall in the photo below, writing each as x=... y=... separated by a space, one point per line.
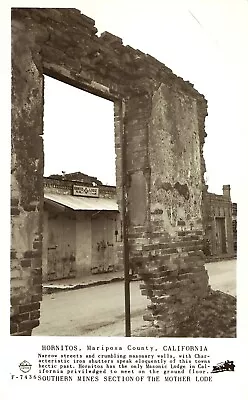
x=159 y=135
x=26 y=183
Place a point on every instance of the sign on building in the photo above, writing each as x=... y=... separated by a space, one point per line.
x=85 y=191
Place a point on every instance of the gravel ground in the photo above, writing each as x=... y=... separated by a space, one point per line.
x=215 y=317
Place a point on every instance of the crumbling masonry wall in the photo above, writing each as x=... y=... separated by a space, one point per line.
x=159 y=128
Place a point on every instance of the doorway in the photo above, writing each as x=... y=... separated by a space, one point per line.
x=61 y=247
x=221 y=247
x=103 y=243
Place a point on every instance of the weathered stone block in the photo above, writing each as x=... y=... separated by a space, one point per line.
x=28 y=325
x=26 y=263
x=29 y=307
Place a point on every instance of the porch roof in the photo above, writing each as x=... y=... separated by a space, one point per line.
x=79 y=203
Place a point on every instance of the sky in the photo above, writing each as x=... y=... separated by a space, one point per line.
x=203 y=41
x=78 y=132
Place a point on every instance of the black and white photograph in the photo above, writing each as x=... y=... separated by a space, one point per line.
x=127 y=183
x=110 y=190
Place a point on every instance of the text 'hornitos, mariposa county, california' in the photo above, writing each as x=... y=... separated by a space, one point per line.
x=124 y=363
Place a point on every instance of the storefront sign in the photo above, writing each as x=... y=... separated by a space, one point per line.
x=85 y=191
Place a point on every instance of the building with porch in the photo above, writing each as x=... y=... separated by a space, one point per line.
x=82 y=229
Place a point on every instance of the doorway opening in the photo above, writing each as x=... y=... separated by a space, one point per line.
x=81 y=219
x=82 y=229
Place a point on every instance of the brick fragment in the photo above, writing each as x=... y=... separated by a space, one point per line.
x=29 y=307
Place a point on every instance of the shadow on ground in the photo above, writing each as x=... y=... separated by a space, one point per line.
x=214 y=317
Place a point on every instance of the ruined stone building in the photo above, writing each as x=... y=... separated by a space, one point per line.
x=219 y=224
x=159 y=136
x=81 y=229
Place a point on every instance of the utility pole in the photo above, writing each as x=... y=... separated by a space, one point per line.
x=125 y=224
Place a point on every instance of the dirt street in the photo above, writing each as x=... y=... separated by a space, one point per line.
x=99 y=310
x=94 y=311
x=222 y=276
